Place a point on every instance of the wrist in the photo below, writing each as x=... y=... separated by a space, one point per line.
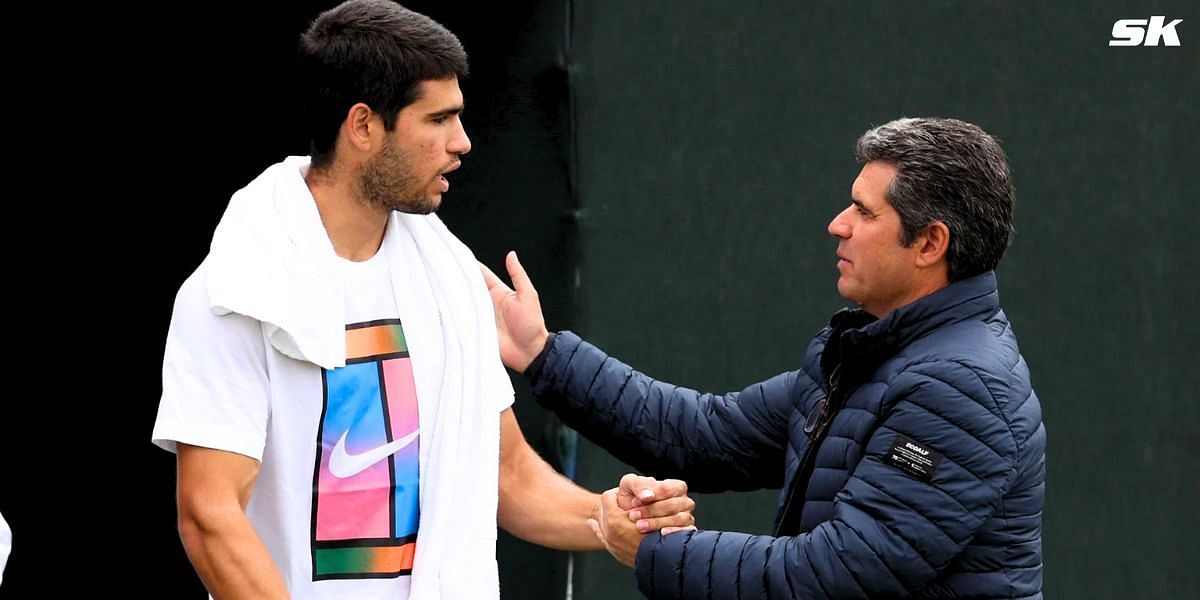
x=537 y=352
x=537 y=346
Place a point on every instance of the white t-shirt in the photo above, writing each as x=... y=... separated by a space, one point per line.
x=5 y=545
x=335 y=501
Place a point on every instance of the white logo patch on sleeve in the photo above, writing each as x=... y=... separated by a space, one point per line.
x=913 y=458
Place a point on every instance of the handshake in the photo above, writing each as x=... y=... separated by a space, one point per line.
x=639 y=506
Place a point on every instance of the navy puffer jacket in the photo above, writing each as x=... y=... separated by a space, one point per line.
x=910 y=451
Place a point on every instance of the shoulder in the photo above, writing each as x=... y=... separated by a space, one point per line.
x=194 y=322
x=973 y=361
x=980 y=348
x=193 y=292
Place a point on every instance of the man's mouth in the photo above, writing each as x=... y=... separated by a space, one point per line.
x=441 y=178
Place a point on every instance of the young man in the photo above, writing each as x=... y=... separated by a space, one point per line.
x=331 y=383
x=909 y=446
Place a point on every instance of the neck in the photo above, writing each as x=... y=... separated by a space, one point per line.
x=926 y=283
x=355 y=230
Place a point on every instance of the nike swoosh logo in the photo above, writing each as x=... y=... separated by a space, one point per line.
x=343 y=464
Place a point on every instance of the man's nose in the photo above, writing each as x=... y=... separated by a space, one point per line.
x=838 y=227
x=460 y=143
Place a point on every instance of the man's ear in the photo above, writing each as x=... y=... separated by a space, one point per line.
x=359 y=124
x=932 y=244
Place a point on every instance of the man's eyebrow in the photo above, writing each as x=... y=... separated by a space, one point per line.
x=858 y=203
x=445 y=112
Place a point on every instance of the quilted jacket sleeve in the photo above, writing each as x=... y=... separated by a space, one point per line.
x=891 y=532
x=715 y=442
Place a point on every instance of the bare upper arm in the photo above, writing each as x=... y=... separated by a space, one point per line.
x=521 y=467
x=210 y=478
x=513 y=447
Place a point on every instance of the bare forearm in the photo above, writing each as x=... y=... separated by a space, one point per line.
x=230 y=558
x=539 y=505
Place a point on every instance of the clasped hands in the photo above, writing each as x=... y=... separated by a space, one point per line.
x=639 y=506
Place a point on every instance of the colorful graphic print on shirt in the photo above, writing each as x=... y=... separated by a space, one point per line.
x=365 y=503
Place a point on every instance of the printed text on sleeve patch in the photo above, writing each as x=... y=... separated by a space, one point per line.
x=913 y=458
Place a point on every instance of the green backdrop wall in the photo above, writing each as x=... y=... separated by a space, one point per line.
x=716 y=142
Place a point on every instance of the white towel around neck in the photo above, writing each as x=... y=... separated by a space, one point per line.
x=272 y=260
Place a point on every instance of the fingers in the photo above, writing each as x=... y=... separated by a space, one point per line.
x=611 y=513
x=664 y=508
x=654 y=504
x=521 y=282
x=635 y=490
x=491 y=279
x=597 y=521
x=608 y=503
x=670 y=488
x=675 y=512
x=608 y=509
x=648 y=489
x=620 y=537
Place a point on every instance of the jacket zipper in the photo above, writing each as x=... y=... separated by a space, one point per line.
x=816 y=430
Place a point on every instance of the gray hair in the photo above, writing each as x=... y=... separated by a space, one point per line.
x=949 y=171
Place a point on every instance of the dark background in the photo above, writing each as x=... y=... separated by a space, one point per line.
x=666 y=171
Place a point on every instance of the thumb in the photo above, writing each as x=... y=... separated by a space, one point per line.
x=520 y=279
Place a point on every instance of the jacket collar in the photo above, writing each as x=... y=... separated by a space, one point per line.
x=863 y=342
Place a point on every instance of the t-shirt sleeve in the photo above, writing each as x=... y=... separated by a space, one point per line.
x=215 y=391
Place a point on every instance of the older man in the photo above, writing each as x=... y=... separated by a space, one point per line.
x=909 y=446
